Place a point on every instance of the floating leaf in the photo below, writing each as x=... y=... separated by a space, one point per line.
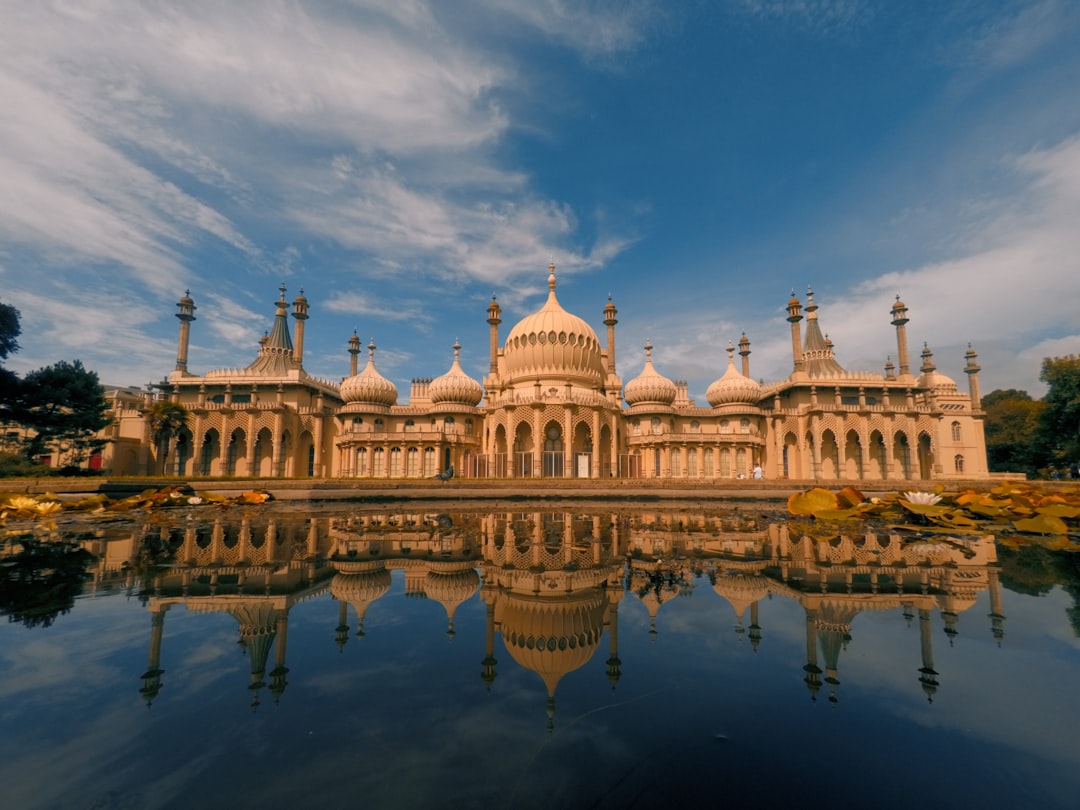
x=812 y=501
x=925 y=509
x=1041 y=524
x=1059 y=510
x=849 y=496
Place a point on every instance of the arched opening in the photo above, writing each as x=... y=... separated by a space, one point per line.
x=604 y=452
x=830 y=455
x=362 y=468
x=926 y=457
x=412 y=463
x=184 y=452
x=210 y=453
x=902 y=454
x=523 y=451
x=583 y=451
x=429 y=462
x=958 y=464
x=725 y=462
x=305 y=456
x=554 y=457
x=395 y=462
x=852 y=456
x=236 y=454
x=676 y=462
x=264 y=454
x=378 y=463
x=956 y=431
x=878 y=458
x=500 y=452
x=285 y=460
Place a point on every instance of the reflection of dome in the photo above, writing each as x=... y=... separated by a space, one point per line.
x=455 y=386
x=552 y=342
x=733 y=387
x=359 y=584
x=369 y=387
x=650 y=387
x=450 y=587
x=552 y=636
x=741 y=590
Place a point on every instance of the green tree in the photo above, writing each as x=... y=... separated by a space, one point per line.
x=167 y=420
x=1059 y=422
x=1012 y=423
x=64 y=406
x=9 y=382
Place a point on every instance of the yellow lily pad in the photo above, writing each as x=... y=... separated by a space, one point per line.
x=1041 y=524
x=812 y=501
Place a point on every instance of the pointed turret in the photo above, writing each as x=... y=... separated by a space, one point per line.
x=186 y=314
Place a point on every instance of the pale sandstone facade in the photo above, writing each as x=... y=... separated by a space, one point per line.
x=553 y=405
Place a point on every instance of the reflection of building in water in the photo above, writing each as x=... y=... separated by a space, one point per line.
x=552 y=404
x=552 y=581
x=552 y=585
x=254 y=570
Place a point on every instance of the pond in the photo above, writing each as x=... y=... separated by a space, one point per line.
x=536 y=656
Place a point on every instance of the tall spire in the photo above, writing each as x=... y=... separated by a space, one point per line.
x=186 y=314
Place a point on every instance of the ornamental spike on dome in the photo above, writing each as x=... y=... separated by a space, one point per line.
x=650 y=387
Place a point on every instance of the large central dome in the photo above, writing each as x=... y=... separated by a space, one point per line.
x=554 y=344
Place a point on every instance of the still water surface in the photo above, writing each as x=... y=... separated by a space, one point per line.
x=318 y=657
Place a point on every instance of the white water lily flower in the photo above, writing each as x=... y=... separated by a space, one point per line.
x=47 y=507
x=194 y=500
x=925 y=498
x=22 y=503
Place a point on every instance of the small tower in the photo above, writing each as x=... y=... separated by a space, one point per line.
x=794 y=310
x=494 y=319
x=354 y=350
x=744 y=353
x=972 y=369
x=186 y=315
x=899 y=320
x=927 y=360
x=300 y=312
x=610 y=320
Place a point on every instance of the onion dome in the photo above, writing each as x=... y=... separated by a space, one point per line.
x=455 y=386
x=733 y=387
x=553 y=343
x=369 y=386
x=932 y=378
x=650 y=387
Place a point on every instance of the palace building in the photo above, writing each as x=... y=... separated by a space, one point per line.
x=554 y=405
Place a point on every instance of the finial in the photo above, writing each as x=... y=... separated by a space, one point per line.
x=371 y=349
x=648 y=349
x=551 y=276
x=730 y=352
x=457 y=348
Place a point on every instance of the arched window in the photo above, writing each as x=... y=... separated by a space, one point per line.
x=429 y=462
x=744 y=425
x=378 y=424
x=468 y=427
x=695 y=426
x=691 y=463
x=958 y=463
x=635 y=427
x=956 y=432
x=412 y=464
x=709 y=468
x=725 y=426
x=378 y=463
x=655 y=425
x=676 y=462
x=361 y=462
x=395 y=462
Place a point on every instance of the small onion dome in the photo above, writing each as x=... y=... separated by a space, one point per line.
x=733 y=387
x=932 y=378
x=359 y=584
x=650 y=387
x=553 y=342
x=455 y=386
x=369 y=386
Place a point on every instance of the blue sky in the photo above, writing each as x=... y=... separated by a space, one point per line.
x=403 y=160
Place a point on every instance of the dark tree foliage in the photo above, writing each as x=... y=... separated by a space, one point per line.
x=1059 y=422
x=1034 y=571
x=65 y=406
x=1012 y=422
x=167 y=420
x=9 y=330
x=9 y=382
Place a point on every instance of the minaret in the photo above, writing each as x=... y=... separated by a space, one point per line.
x=300 y=307
x=744 y=353
x=927 y=360
x=794 y=310
x=186 y=315
x=614 y=663
x=899 y=320
x=494 y=319
x=812 y=670
x=609 y=321
x=354 y=350
x=152 y=677
x=972 y=369
x=997 y=615
x=927 y=674
x=487 y=674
